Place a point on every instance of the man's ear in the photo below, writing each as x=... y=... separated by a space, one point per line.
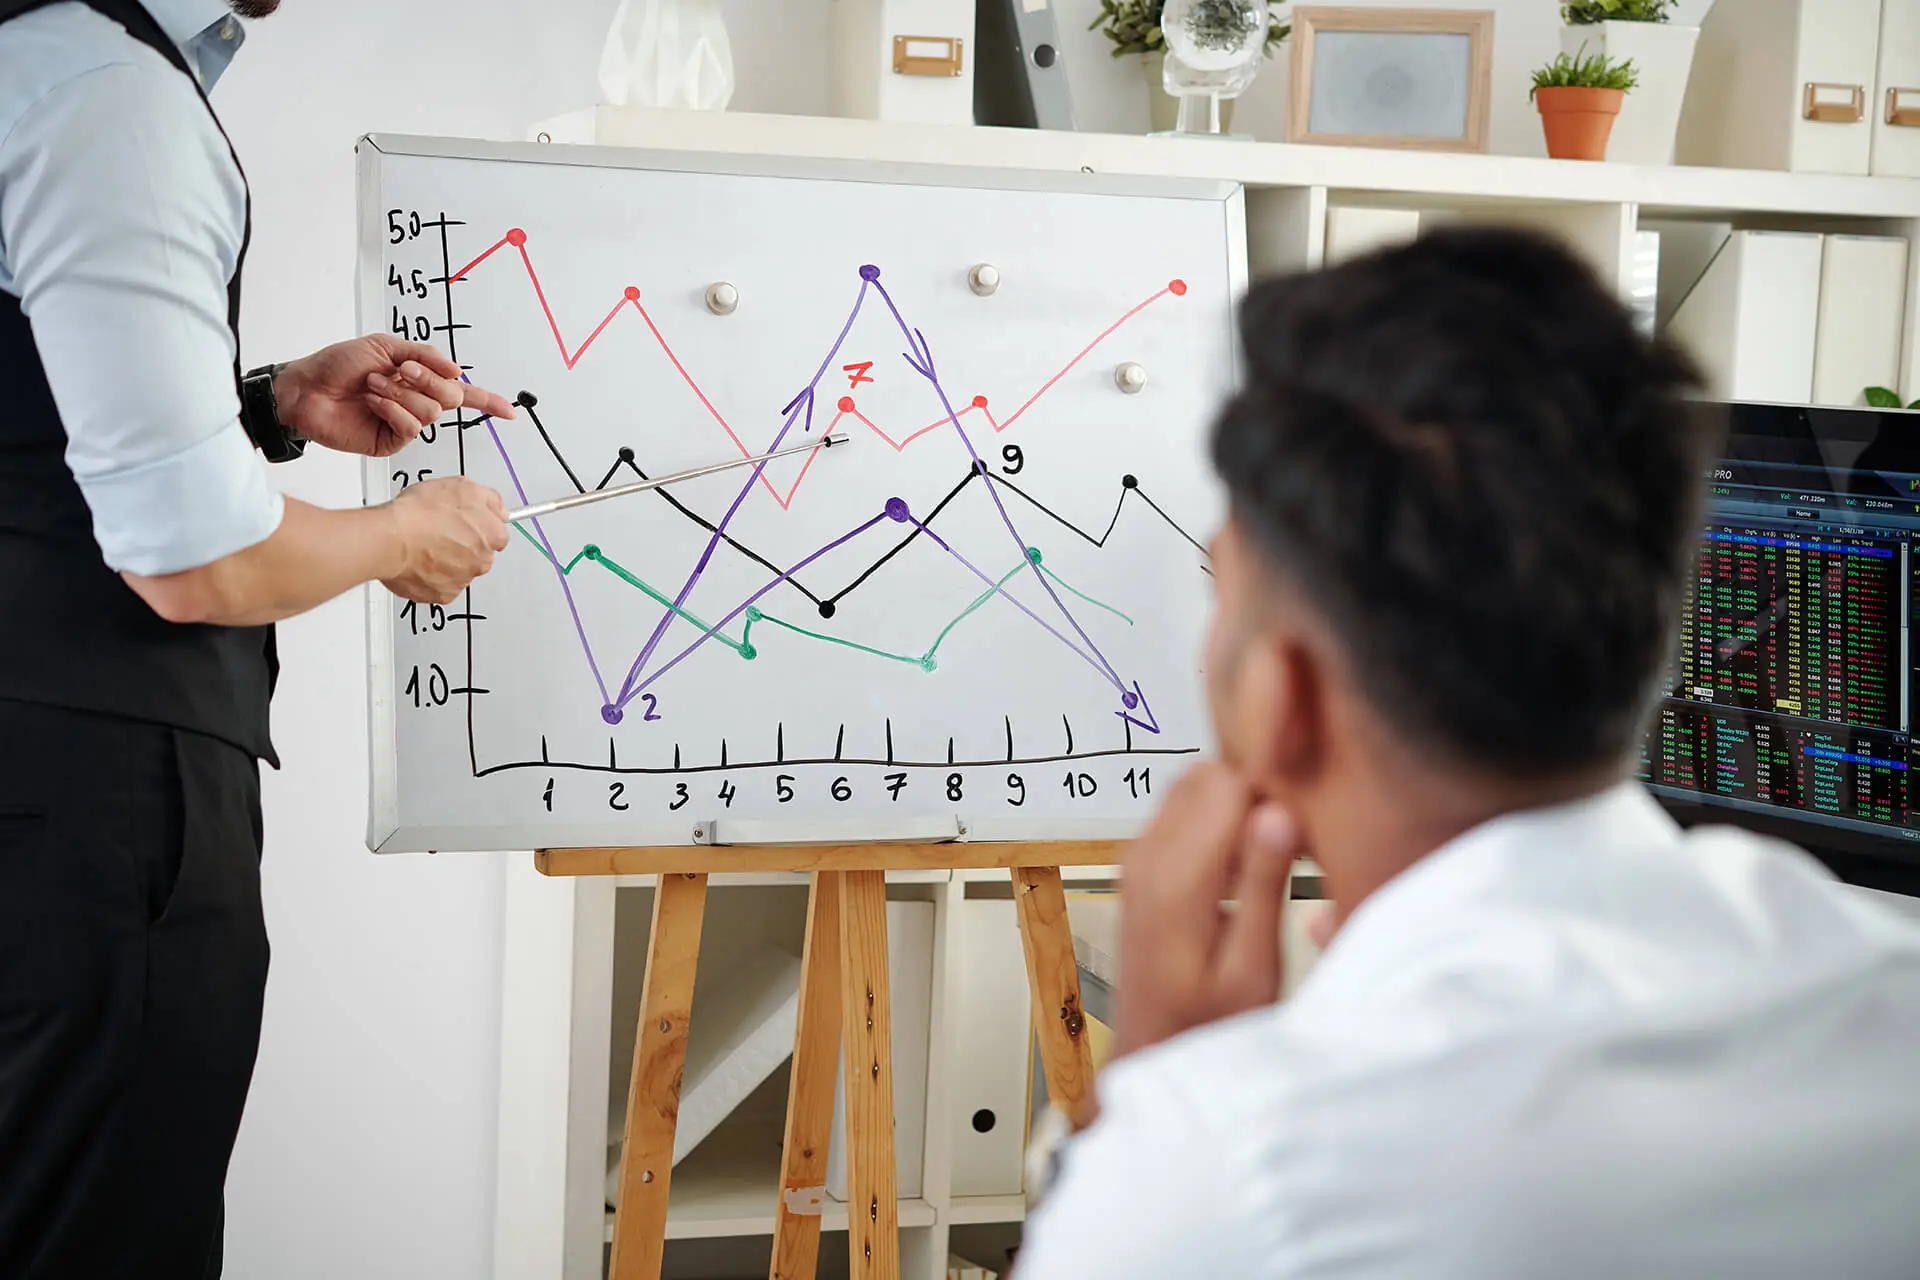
x=1283 y=699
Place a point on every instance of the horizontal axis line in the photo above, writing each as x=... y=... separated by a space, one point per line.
x=667 y=771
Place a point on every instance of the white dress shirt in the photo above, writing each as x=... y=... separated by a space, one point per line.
x=121 y=219
x=1572 y=1043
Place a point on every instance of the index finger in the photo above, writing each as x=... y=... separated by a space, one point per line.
x=488 y=402
x=1187 y=852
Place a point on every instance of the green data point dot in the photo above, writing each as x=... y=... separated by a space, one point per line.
x=590 y=551
x=928 y=664
x=754 y=614
x=1033 y=554
x=748 y=652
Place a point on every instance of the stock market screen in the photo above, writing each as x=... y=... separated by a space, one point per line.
x=1791 y=693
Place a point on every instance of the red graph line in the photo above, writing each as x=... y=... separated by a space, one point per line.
x=847 y=409
x=517 y=239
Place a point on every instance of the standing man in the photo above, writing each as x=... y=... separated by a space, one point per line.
x=144 y=557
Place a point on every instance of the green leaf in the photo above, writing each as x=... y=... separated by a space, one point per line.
x=1881 y=398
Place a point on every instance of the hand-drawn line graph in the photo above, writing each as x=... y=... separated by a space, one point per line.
x=1055 y=617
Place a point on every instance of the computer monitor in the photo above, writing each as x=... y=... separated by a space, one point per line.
x=1793 y=701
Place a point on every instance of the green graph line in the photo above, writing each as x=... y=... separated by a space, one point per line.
x=599 y=557
x=744 y=645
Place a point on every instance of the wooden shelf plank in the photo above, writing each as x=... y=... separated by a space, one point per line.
x=1476 y=179
x=854 y=857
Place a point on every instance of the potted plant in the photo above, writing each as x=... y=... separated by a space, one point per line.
x=1640 y=32
x=1134 y=28
x=1579 y=96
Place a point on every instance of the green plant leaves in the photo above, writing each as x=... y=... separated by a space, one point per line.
x=1572 y=71
x=1582 y=13
x=1885 y=398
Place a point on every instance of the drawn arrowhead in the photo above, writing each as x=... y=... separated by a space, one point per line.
x=1140 y=714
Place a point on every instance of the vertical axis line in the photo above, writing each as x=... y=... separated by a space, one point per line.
x=460 y=443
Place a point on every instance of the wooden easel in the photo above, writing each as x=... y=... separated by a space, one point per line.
x=843 y=999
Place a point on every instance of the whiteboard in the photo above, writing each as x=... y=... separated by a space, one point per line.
x=986 y=612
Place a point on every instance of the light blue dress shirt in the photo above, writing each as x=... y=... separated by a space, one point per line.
x=121 y=220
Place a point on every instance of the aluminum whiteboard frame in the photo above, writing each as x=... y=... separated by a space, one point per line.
x=383 y=814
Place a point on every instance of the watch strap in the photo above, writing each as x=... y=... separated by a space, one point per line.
x=260 y=415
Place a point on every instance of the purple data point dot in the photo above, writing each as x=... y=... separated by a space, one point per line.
x=612 y=714
x=869 y=272
x=897 y=510
x=1130 y=701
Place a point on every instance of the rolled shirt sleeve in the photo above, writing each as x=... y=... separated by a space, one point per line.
x=121 y=221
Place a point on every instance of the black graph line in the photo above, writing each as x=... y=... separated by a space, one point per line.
x=901 y=545
x=1129 y=487
x=828 y=605
x=527 y=400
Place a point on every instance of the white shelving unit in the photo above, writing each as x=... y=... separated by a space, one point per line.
x=566 y=1036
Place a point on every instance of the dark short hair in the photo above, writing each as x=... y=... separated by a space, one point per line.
x=1468 y=459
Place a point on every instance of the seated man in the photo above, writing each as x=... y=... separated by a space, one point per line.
x=1554 y=1035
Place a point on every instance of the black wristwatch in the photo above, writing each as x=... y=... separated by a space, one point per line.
x=260 y=415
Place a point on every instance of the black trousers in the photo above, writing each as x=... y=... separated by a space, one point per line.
x=133 y=960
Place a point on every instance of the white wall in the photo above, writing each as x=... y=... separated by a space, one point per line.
x=368 y=1145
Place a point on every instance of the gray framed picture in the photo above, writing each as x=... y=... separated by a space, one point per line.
x=1416 y=79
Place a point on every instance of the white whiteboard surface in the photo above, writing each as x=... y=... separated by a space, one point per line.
x=854 y=640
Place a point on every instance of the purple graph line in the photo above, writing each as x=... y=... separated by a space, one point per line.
x=565 y=588
x=804 y=400
x=1128 y=698
x=710 y=632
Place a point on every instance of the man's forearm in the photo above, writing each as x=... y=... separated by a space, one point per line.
x=315 y=555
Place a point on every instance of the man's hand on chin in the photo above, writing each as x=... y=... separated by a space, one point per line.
x=1200 y=903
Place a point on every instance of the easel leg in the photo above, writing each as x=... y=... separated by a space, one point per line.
x=653 y=1094
x=1054 y=982
x=816 y=1056
x=873 y=1213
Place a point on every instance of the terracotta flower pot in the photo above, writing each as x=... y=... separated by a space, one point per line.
x=1578 y=121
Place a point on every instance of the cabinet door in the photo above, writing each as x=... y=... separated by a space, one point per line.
x=1840 y=67
x=1896 y=106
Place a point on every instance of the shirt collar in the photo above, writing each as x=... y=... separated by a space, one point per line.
x=1529 y=858
x=206 y=31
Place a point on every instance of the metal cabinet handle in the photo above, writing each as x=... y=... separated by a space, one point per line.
x=1902 y=117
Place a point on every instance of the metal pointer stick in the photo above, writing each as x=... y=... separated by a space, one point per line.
x=660 y=482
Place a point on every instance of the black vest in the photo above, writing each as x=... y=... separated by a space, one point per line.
x=72 y=633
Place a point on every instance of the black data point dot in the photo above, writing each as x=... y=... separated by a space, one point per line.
x=980 y=466
x=827 y=609
x=626 y=454
x=526 y=400
x=1131 y=482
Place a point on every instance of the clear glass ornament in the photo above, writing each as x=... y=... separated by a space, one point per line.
x=1214 y=50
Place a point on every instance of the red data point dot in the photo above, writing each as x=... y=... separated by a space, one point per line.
x=633 y=293
x=979 y=402
x=516 y=237
x=846 y=404
x=1178 y=288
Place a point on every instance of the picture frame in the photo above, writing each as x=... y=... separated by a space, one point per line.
x=1410 y=79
